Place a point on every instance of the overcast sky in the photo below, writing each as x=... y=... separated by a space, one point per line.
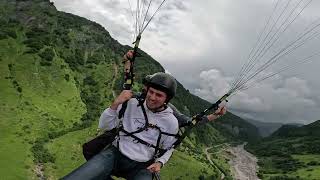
x=204 y=44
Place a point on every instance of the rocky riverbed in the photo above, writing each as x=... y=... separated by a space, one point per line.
x=243 y=164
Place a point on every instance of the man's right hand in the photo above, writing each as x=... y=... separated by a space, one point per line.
x=124 y=96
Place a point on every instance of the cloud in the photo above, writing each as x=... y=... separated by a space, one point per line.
x=287 y=101
x=180 y=5
x=212 y=85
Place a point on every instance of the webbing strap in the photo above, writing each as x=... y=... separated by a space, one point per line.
x=158 y=151
x=138 y=139
x=123 y=109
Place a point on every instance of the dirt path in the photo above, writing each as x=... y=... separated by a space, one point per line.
x=212 y=162
x=243 y=164
x=39 y=170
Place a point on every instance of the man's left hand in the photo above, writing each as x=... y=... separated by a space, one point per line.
x=219 y=112
x=128 y=56
x=155 y=167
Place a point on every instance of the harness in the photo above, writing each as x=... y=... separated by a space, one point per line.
x=147 y=125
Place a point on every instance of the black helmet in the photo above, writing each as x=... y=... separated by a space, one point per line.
x=146 y=79
x=164 y=82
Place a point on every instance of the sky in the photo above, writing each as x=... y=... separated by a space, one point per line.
x=204 y=44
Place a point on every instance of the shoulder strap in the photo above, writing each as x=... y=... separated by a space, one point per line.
x=123 y=109
x=140 y=99
x=158 y=151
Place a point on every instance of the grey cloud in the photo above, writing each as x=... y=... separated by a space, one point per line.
x=164 y=20
x=111 y=4
x=163 y=43
x=290 y=101
x=177 y=5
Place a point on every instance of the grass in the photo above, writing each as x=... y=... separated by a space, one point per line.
x=182 y=166
x=310 y=172
x=68 y=150
x=46 y=103
x=220 y=157
x=12 y=150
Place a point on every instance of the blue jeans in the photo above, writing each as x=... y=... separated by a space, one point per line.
x=110 y=162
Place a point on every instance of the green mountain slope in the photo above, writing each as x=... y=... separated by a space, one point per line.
x=238 y=128
x=290 y=152
x=58 y=72
x=311 y=129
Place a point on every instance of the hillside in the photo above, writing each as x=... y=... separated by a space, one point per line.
x=298 y=131
x=237 y=127
x=290 y=151
x=58 y=72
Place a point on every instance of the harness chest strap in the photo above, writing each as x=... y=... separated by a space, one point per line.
x=158 y=151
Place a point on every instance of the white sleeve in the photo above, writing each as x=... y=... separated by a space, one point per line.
x=109 y=118
x=168 y=144
x=165 y=157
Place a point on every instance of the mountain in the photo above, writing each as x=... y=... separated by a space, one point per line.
x=298 y=131
x=58 y=72
x=265 y=128
x=239 y=128
x=289 y=152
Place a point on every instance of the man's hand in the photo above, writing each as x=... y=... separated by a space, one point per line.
x=155 y=167
x=219 y=112
x=126 y=60
x=124 y=96
x=128 y=56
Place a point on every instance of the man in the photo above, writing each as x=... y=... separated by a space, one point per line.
x=128 y=155
x=93 y=147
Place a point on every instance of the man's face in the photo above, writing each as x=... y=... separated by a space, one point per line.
x=155 y=99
